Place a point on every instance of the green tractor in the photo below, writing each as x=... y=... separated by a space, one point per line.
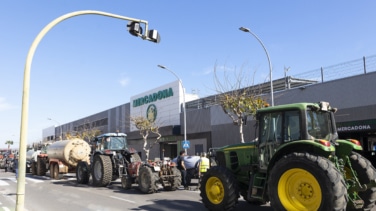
x=297 y=162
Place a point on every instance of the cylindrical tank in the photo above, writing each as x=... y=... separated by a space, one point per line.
x=31 y=155
x=70 y=152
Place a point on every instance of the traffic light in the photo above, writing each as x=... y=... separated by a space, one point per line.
x=154 y=36
x=134 y=28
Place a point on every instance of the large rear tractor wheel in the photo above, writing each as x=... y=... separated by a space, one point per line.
x=41 y=167
x=102 y=170
x=366 y=173
x=126 y=182
x=219 y=189
x=82 y=173
x=147 y=180
x=301 y=181
x=175 y=180
x=136 y=157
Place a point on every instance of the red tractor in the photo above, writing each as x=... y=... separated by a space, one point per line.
x=112 y=159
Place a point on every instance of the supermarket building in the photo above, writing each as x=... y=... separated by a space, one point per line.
x=208 y=126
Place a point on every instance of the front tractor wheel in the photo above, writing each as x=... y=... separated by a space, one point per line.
x=147 y=180
x=219 y=189
x=301 y=181
x=82 y=173
x=102 y=170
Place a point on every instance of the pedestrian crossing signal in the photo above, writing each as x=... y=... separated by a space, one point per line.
x=186 y=144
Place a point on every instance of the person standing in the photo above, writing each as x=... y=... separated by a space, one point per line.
x=15 y=166
x=191 y=163
x=203 y=166
x=182 y=169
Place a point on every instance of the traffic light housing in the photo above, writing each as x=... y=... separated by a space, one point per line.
x=134 y=28
x=154 y=36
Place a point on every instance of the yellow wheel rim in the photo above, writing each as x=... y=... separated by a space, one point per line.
x=214 y=190
x=299 y=190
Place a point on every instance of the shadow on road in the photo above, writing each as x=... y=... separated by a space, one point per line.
x=164 y=204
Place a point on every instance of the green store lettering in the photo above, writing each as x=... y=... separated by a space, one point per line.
x=153 y=97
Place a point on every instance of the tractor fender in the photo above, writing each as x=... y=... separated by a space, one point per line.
x=309 y=146
x=345 y=146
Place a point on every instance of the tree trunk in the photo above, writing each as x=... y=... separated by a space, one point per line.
x=241 y=131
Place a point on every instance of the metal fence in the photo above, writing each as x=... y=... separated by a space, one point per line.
x=351 y=68
x=342 y=70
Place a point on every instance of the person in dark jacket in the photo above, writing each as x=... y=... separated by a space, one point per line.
x=182 y=169
x=15 y=166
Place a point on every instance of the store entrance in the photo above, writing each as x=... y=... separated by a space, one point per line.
x=169 y=149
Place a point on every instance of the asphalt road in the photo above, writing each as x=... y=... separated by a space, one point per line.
x=42 y=193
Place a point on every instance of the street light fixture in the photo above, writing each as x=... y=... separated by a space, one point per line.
x=267 y=55
x=134 y=28
x=60 y=128
x=184 y=110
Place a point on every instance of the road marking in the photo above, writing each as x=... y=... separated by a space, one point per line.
x=34 y=180
x=6 y=209
x=3 y=183
x=133 y=202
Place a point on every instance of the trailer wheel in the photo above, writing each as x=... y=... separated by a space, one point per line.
x=33 y=168
x=147 y=180
x=366 y=173
x=301 y=181
x=52 y=170
x=82 y=173
x=175 y=180
x=102 y=170
x=41 y=167
x=219 y=189
x=126 y=182
x=56 y=171
x=28 y=169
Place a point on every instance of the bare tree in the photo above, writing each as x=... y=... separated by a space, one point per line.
x=238 y=98
x=145 y=127
x=87 y=131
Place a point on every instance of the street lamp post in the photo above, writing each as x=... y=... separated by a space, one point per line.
x=134 y=28
x=184 y=110
x=60 y=128
x=267 y=55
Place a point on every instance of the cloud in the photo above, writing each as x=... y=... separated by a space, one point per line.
x=124 y=81
x=4 y=105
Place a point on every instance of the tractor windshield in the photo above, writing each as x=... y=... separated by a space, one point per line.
x=118 y=143
x=114 y=142
x=319 y=124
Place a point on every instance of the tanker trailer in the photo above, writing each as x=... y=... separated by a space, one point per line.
x=31 y=161
x=63 y=156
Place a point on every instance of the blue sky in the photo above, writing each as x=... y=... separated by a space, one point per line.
x=90 y=63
